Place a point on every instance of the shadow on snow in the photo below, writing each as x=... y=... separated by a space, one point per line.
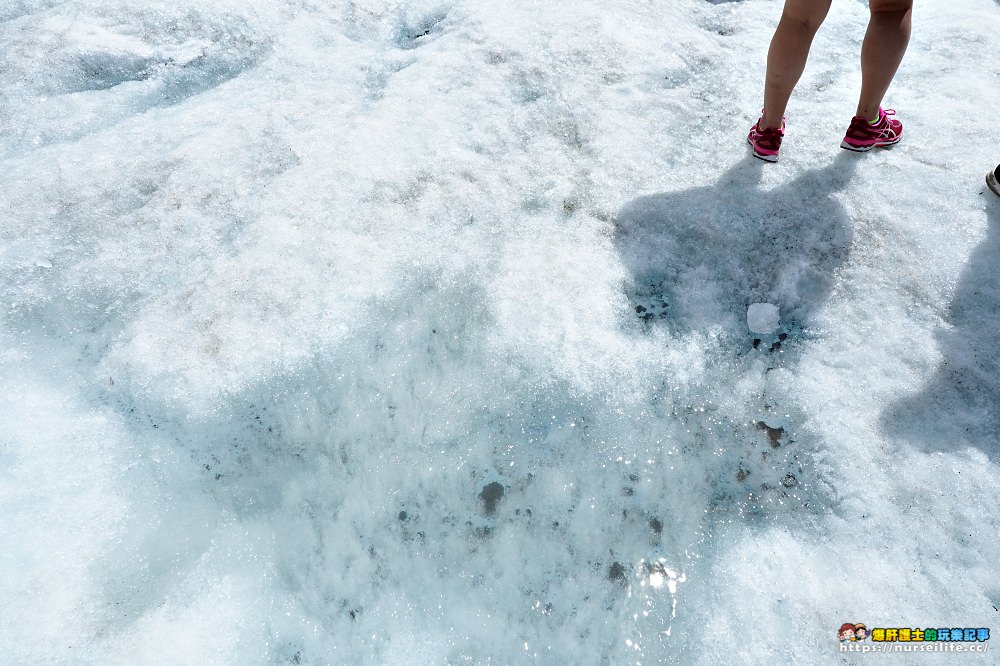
x=958 y=405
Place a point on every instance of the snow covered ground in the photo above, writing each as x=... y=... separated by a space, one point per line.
x=415 y=332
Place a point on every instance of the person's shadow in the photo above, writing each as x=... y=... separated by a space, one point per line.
x=960 y=404
x=697 y=258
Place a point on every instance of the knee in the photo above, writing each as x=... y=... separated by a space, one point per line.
x=805 y=17
x=900 y=7
x=806 y=25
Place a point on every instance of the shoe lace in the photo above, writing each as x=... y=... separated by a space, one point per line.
x=886 y=132
x=883 y=129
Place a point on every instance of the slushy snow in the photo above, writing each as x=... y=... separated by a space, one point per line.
x=383 y=332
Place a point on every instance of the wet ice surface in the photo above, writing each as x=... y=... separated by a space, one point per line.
x=394 y=333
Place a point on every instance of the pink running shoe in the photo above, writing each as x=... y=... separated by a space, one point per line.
x=862 y=136
x=766 y=142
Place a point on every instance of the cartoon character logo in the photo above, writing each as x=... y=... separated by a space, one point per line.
x=846 y=632
x=860 y=632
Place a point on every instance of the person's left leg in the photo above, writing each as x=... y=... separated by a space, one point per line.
x=786 y=58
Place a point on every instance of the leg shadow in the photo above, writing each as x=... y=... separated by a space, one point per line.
x=960 y=405
x=698 y=257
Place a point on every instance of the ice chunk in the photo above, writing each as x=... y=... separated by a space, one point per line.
x=762 y=317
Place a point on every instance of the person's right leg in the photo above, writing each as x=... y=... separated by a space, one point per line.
x=786 y=59
x=882 y=51
x=885 y=43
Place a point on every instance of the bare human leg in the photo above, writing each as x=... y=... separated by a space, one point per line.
x=786 y=59
x=885 y=43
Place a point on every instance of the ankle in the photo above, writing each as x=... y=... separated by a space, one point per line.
x=871 y=113
x=766 y=123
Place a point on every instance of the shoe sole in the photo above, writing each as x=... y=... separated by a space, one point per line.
x=992 y=183
x=767 y=158
x=865 y=149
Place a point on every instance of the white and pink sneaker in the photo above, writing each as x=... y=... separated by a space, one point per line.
x=766 y=141
x=862 y=135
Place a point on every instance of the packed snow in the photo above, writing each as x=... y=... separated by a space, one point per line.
x=385 y=332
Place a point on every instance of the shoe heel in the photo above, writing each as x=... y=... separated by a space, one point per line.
x=855 y=149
